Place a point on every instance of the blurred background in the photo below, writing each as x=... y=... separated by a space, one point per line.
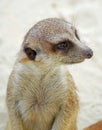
x=18 y=16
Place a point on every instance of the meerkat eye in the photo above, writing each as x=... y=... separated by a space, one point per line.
x=64 y=45
x=30 y=53
x=76 y=34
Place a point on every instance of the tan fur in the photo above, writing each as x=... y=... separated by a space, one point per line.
x=41 y=94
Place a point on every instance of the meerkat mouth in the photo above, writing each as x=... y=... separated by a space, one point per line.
x=76 y=62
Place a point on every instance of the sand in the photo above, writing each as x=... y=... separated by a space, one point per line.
x=17 y=16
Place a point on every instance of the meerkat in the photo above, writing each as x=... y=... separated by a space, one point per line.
x=41 y=94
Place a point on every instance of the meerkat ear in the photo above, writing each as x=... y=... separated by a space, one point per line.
x=30 y=53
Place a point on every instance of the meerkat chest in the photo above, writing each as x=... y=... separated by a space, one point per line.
x=51 y=91
x=39 y=96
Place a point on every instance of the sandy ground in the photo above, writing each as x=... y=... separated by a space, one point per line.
x=17 y=16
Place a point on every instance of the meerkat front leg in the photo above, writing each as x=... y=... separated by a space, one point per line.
x=65 y=121
x=67 y=117
x=16 y=124
x=15 y=121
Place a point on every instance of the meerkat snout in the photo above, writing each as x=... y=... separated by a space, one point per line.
x=88 y=53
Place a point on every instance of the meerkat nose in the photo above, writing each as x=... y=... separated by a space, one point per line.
x=88 y=53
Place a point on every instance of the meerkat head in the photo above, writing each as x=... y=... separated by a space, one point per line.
x=55 y=41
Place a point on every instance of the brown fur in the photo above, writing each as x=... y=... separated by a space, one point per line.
x=41 y=94
x=96 y=126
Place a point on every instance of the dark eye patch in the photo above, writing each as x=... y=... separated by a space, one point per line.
x=64 y=45
x=30 y=53
x=76 y=34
